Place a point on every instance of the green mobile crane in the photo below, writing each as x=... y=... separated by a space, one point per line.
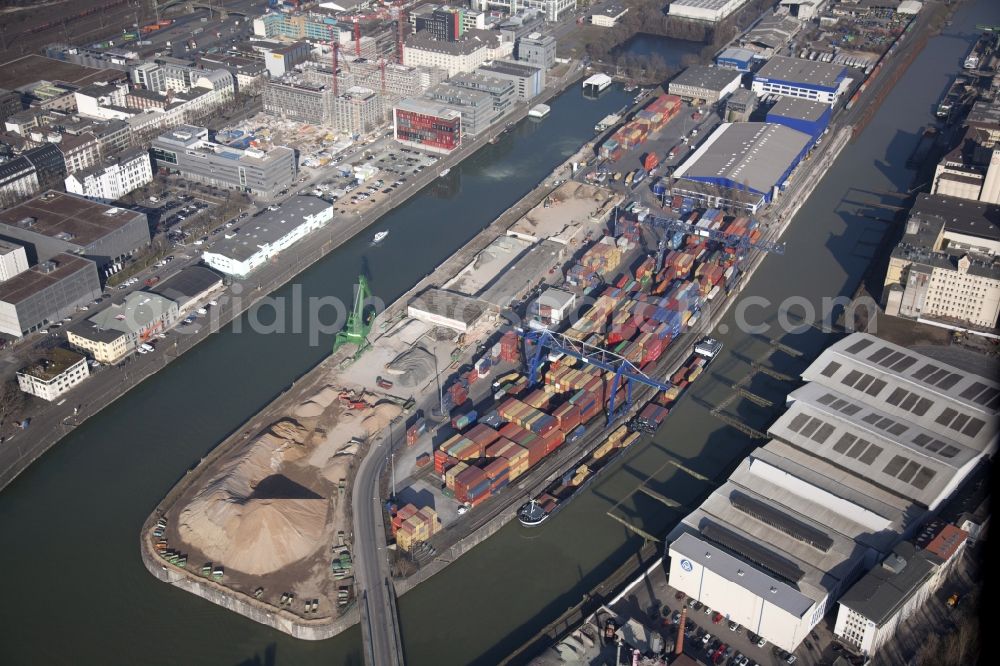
x=359 y=322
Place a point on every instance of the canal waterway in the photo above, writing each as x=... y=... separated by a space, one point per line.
x=70 y=555
x=77 y=592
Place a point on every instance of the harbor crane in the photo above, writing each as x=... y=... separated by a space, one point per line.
x=358 y=321
x=740 y=242
x=592 y=355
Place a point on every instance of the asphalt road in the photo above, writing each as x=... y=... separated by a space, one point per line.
x=379 y=621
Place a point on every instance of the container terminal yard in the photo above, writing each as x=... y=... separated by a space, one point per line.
x=582 y=238
x=478 y=464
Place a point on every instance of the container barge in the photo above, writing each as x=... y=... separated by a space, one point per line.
x=951 y=98
x=978 y=52
x=636 y=316
x=647 y=121
x=558 y=494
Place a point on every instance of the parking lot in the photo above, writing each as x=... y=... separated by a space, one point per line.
x=395 y=166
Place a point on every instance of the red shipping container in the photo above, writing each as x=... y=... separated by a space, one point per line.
x=536 y=451
x=553 y=440
x=482 y=434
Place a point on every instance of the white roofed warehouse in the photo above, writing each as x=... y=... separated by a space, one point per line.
x=704 y=10
x=796 y=77
x=741 y=165
x=876 y=440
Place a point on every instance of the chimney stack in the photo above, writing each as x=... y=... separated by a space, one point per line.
x=679 y=643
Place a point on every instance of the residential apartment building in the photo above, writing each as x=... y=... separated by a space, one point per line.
x=946 y=268
x=54 y=374
x=114 y=178
x=431 y=126
x=18 y=179
x=116 y=331
x=187 y=151
x=79 y=151
x=442 y=20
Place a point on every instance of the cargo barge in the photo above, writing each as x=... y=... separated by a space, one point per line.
x=951 y=98
x=647 y=121
x=978 y=52
x=559 y=493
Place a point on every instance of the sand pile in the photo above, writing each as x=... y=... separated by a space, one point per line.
x=317 y=404
x=379 y=418
x=413 y=367
x=250 y=517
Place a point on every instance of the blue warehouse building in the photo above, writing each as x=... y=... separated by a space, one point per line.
x=736 y=58
x=741 y=165
x=804 y=115
x=805 y=79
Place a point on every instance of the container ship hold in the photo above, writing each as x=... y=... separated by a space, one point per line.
x=648 y=420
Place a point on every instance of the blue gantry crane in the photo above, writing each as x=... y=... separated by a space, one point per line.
x=740 y=242
x=595 y=356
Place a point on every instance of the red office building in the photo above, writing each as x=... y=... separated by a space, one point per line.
x=427 y=125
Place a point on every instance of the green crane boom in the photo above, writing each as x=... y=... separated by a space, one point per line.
x=356 y=330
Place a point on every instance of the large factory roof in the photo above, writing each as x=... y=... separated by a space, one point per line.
x=904 y=459
x=755 y=154
x=702 y=4
x=799 y=70
x=835 y=507
x=963 y=216
x=796 y=107
x=272 y=225
x=937 y=397
x=27 y=283
x=67 y=217
x=706 y=553
x=446 y=308
x=704 y=76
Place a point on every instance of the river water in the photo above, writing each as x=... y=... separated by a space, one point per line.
x=76 y=592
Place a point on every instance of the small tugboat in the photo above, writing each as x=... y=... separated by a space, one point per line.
x=379 y=237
